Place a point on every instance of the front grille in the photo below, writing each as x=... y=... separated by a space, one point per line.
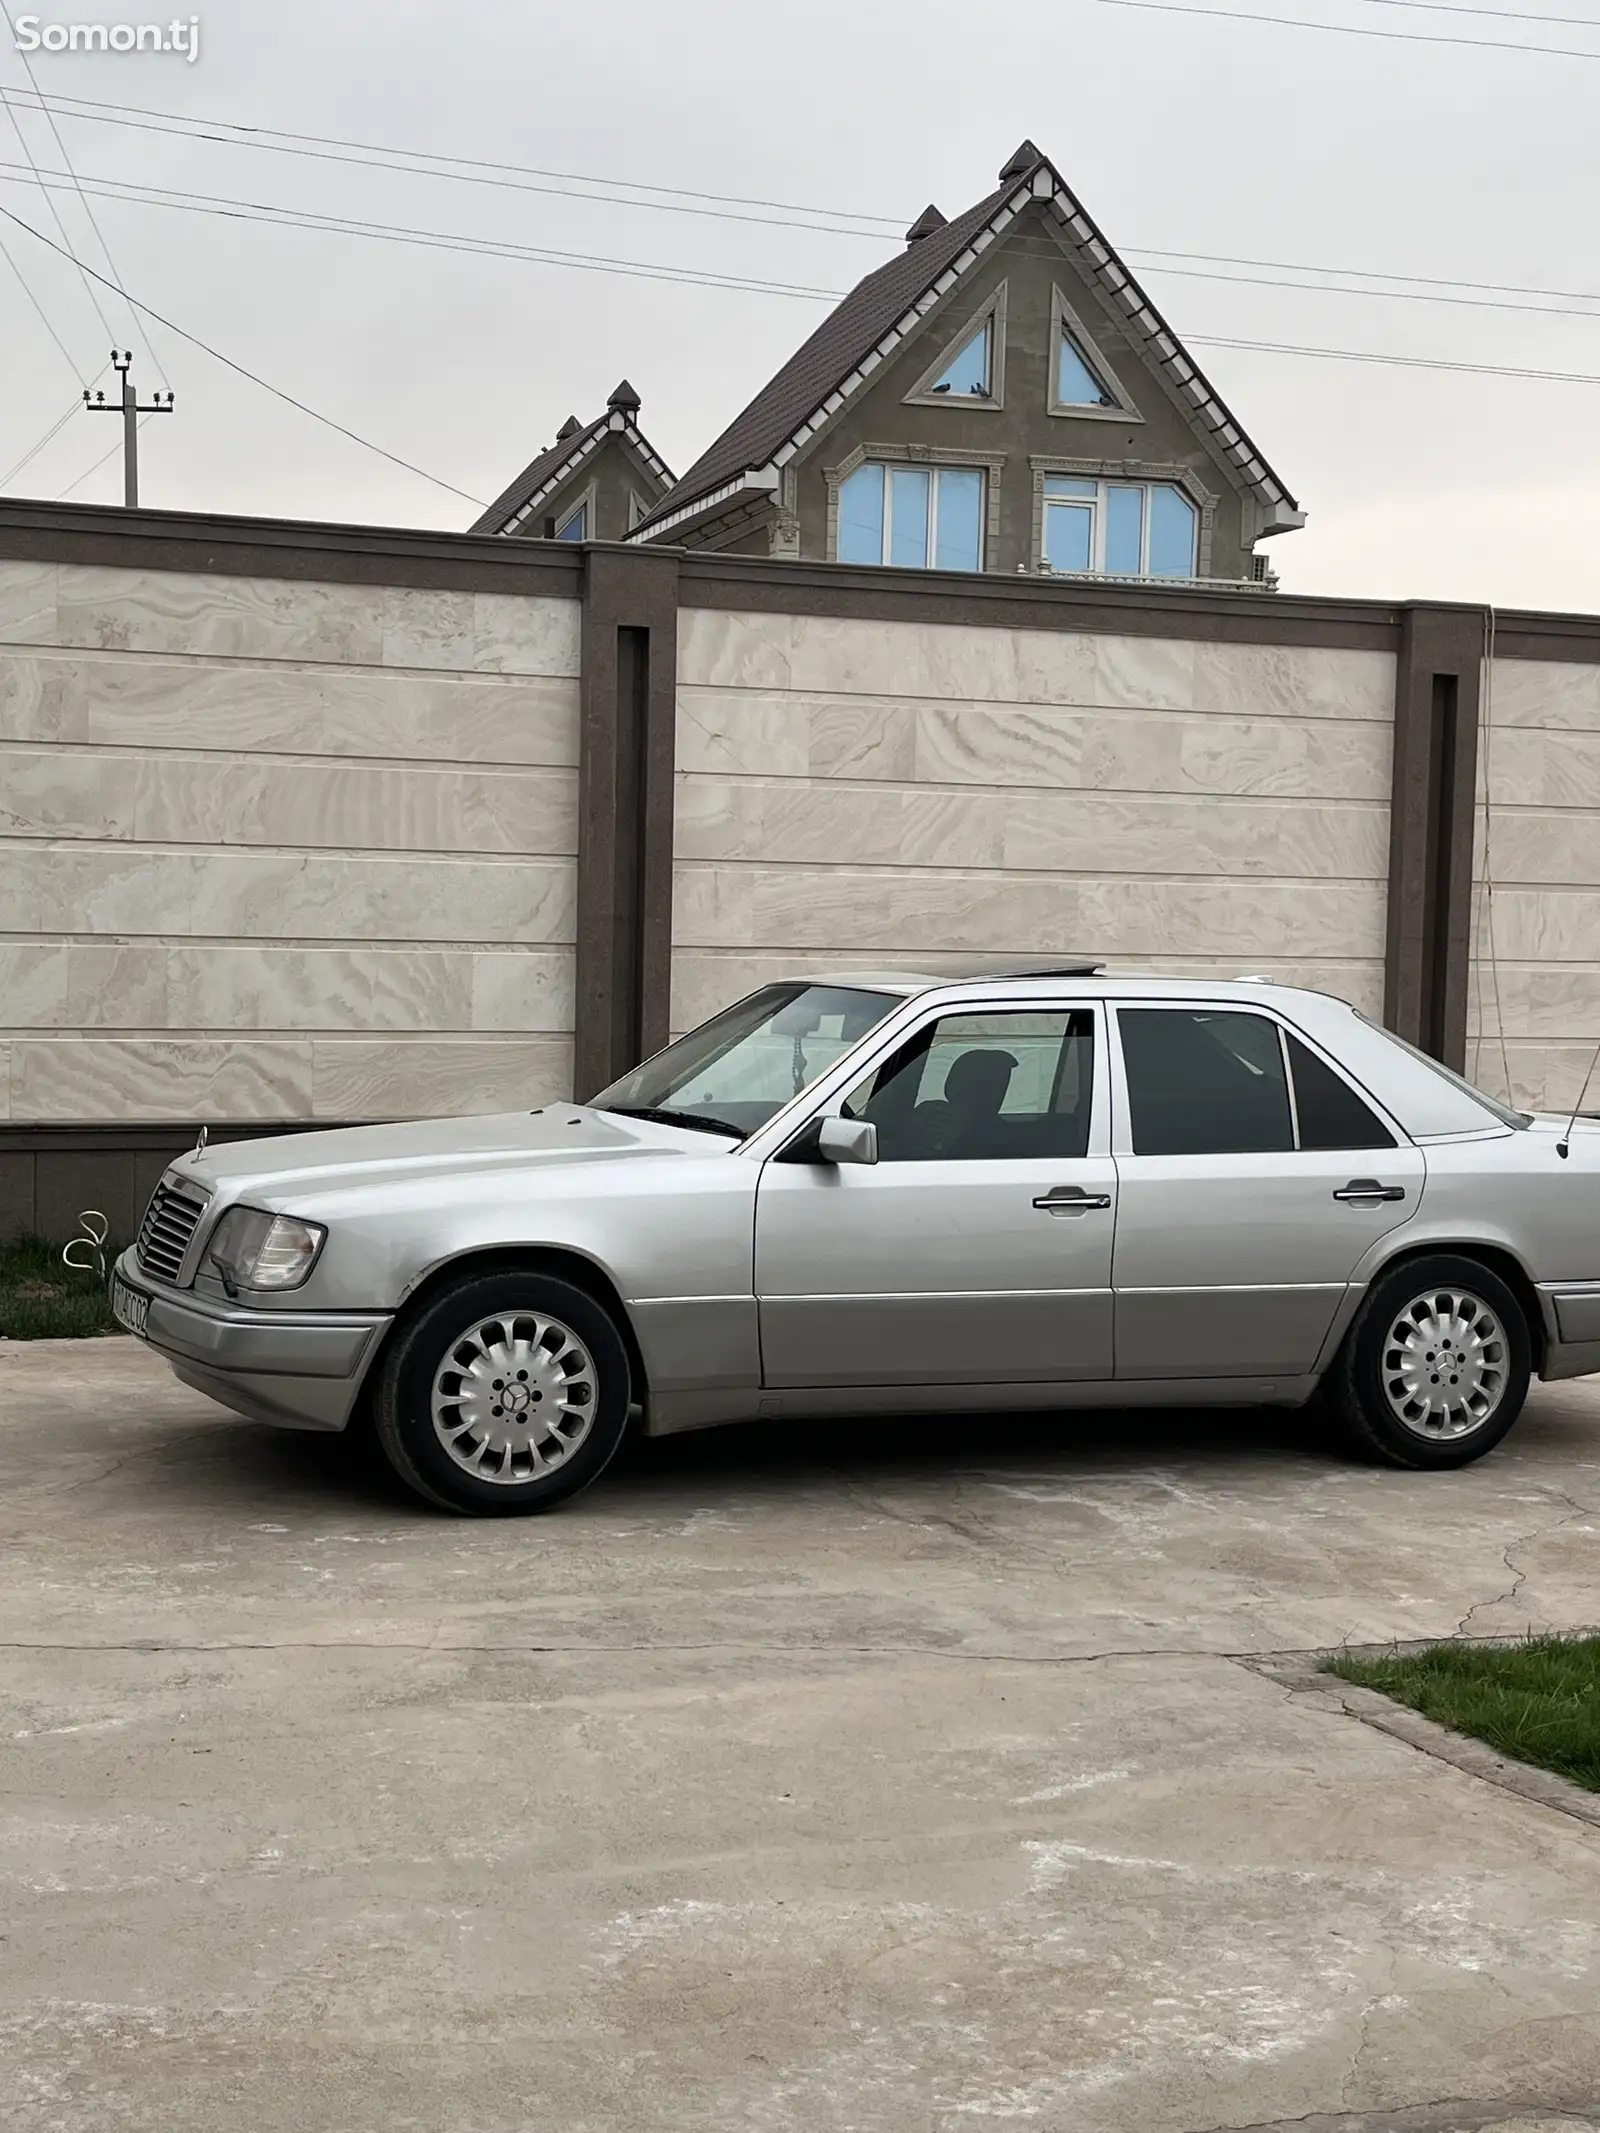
x=169 y=1223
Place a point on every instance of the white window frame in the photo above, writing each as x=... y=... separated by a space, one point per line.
x=1065 y=318
x=935 y=472
x=1099 y=507
x=991 y=316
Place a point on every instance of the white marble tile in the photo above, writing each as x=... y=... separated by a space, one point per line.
x=22 y=876
x=1294 y=681
x=305 y=990
x=89 y=889
x=1553 y=846
x=316 y=896
x=1547 y=925
x=225 y=617
x=33 y=984
x=27 y=603
x=818 y=821
x=517 y=633
x=435 y=1078
x=38 y=699
x=1106 y=833
x=117 y=985
x=721 y=649
x=62 y=793
x=179 y=799
x=5 y=1080
x=290 y=710
x=897 y=914
x=525 y=989
x=423 y=628
x=1528 y=768
x=158 y=1077
x=1545 y=692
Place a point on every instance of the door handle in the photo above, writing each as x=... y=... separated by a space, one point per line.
x=1367 y=1192
x=1071 y=1200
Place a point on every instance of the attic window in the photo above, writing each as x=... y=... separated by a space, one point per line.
x=1076 y=384
x=968 y=373
x=575 y=527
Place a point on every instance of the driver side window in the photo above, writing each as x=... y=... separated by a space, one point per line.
x=981 y=1087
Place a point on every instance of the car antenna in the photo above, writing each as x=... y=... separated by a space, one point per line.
x=1564 y=1145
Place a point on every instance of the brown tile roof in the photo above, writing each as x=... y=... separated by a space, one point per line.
x=879 y=304
x=846 y=336
x=574 y=442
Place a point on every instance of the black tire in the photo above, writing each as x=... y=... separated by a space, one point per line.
x=440 y=1332
x=1369 y=1423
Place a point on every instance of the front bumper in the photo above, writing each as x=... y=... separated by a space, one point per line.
x=297 y=1369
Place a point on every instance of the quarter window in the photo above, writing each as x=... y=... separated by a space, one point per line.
x=917 y=518
x=1328 y=1112
x=1124 y=529
x=984 y=1087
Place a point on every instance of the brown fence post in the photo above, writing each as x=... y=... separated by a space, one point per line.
x=1431 y=827
x=628 y=747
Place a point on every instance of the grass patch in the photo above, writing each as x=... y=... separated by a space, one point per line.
x=1536 y=1702
x=42 y=1300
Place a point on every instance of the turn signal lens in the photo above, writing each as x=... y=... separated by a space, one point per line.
x=256 y=1250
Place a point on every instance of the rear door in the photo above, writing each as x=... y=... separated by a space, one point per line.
x=1253 y=1177
x=977 y=1250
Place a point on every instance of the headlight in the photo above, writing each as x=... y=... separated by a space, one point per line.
x=254 y=1250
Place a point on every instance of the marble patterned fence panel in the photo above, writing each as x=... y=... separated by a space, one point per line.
x=857 y=793
x=273 y=849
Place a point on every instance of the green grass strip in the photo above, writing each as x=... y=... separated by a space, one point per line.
x=43 y=1300
x=1537 y=1702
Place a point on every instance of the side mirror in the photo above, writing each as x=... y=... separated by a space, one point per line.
x=847 y=1140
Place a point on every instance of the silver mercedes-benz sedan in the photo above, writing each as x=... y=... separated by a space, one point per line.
x=1042 y=1187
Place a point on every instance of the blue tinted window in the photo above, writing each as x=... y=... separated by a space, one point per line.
x=1068 y=536
x=908 y=518
x=968 y=371
x=1124 y=531
x=960 y=539
x=577 y=527
x=1173 y=520
x=1069 y=485
x=1076 y=383
x=861 y=516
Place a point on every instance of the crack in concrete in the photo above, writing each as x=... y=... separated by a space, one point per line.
x=1364 y=2038
x=1518 y=1573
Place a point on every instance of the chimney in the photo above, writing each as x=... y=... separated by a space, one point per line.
x=926 y=223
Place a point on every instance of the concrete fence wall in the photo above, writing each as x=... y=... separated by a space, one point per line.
x=304 y=823
x=853 y=792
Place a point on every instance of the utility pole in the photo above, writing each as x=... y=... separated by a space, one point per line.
x=129 y=409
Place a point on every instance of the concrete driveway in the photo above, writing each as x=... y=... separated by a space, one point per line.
x=901 y=1778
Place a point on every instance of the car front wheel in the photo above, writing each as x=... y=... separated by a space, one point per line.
x=506 y=1394
x=1435 y=1368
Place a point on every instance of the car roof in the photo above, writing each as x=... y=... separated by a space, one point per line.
x=975 y=974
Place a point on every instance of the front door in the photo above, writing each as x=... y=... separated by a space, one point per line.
x=1254 y=1178
x=977 y=1250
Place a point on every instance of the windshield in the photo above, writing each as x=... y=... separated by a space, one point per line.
x=736 y=1071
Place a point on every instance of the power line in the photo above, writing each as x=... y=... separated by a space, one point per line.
x=49 y=436
x=493 y=248
x=1349 y=29
x=1371 y=355
x=112 y=114
x=439 y=240
x=27 y=66
x=66 y=241
x=418 y=161
x=62 y=496
x=27 y=291
x=276 y=391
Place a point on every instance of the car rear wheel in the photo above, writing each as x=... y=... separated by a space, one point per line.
x=1435 y=1368
x=506 y=1394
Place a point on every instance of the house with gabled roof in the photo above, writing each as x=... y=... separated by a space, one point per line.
x=596 y=482
x=1000 y=396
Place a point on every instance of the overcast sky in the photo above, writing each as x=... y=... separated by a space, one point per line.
x=1181 y=134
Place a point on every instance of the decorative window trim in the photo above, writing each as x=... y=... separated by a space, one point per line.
x=993 y=313
x=638 y=509
x=583 y=502
x=1204 y=500
x=1064 y=318
x=992 y=465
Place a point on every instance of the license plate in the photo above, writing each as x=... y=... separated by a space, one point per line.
x=128 y=1307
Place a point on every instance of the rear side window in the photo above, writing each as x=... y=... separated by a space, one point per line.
x=1204 y=1081
x=1330 y=1113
